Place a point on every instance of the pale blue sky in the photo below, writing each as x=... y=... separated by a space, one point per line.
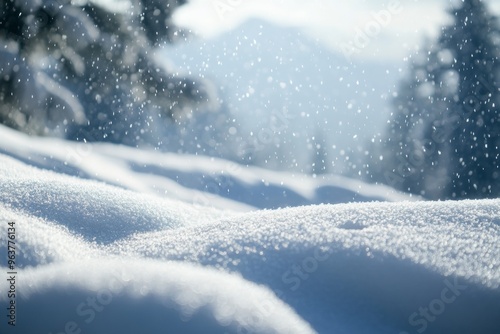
x=336 y=23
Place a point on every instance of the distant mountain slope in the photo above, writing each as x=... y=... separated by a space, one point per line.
x=265 y=71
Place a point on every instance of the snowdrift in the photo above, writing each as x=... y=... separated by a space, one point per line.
x=92 y=257
x=194 y=179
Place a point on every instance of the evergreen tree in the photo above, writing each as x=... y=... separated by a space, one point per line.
x=443 y=140
x=475 y=141
x=89 y=70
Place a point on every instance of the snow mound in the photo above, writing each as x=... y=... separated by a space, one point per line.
x=341 y=265
x=102 y=259
x=143 y=296
x=92 y=209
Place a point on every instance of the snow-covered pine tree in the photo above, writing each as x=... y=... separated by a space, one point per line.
x=443 y=140
x=473 y=41
x=88 y=69
x=399 y=150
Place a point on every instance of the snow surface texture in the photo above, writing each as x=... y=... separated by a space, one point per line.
x=96 y=258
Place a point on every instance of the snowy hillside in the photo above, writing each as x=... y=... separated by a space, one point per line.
x=193 y=179
x=104 y=253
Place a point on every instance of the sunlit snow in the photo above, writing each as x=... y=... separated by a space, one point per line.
x=97 y=258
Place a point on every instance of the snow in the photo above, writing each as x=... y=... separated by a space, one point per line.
x=145 y=296
x=196 y=179
x=109 y=239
